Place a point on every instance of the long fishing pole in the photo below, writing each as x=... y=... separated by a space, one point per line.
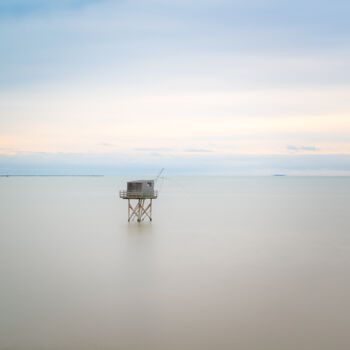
x=158 y=176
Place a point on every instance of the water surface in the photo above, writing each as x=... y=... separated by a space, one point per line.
x=227 y=263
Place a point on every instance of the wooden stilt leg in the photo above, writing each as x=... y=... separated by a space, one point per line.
x=133 y=212
x=150 y=210
x=128 y=210
x=139 y=210
x=145 y=211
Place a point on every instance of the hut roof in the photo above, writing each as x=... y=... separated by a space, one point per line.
x=140 y=181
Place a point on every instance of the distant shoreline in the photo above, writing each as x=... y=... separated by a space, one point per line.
x=51 y=175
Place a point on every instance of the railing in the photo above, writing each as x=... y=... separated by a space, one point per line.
x=142 y=194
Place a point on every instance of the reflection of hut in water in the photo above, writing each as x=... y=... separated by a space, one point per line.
x=142 y=191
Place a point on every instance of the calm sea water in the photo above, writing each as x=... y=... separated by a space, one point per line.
x=227 y=263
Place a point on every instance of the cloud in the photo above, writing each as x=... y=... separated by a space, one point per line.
x=302 y=148
x=171 y=74
x=153 y=149
x=106 y=144
x=198 y=150
x=124 y=164
x=138 y=40
x=25 y=7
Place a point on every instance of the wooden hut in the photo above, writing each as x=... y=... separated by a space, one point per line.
x=141 y=187
x=143 y=191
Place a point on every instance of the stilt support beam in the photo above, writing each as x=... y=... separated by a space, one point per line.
x=141 y=210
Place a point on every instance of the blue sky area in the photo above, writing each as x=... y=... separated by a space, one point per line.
x=252 y=87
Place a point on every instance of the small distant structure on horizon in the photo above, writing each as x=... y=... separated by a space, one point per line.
x=143 y=192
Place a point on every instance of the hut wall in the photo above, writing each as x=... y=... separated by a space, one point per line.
x=134 y=187
x=146 y=186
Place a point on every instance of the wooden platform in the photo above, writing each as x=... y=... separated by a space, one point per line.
x=138 y=195
x=142 y=209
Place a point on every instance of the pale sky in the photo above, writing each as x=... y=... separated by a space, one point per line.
x=251 y=87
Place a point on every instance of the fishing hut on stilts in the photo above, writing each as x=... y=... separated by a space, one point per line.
x=140 y=194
